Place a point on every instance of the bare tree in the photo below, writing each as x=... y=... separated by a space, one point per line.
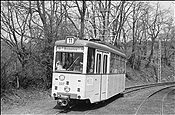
x=168 y=42
x=51 y=18
x=14 y=26
x=91 y=18
x=104 y=9
x=82 y=12
x=154 y=23
x=135 y=23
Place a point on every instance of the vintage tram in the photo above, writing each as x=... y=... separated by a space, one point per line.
x=87 y=70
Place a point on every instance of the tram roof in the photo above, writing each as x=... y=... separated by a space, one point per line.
x=97 y=45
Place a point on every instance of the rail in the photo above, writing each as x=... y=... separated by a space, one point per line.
x=138 y=87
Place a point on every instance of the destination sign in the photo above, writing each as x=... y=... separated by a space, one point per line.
x=70 y=39
x=69 y=49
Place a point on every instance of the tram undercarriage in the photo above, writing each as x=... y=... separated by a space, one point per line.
x=67 y=102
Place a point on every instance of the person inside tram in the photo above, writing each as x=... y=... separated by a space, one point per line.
x=66 y=65
x=81 y=66
x=78 y=66
x=90 y=66
x=59 y=65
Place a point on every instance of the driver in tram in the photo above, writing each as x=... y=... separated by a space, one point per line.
x=59 y=65
x=66 y=65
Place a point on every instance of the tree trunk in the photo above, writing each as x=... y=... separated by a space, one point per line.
x=82 y=14
x=93 y=20
x=151 y=54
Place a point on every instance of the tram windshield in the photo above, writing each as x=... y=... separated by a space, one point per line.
x=69 y=61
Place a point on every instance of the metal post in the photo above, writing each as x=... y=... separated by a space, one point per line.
x=174 y=67
x=159 y=58
x=159 y=62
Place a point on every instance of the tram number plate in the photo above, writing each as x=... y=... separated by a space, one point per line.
x=61 y=83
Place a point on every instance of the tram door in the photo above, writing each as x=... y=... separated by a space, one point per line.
x=100 y=79
x=104 y=76
x=97 y=77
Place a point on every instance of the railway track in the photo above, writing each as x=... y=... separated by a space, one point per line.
x=139 y=87
x=136 y=88
x=163 y=101
x=166 y=90
x=128 y=90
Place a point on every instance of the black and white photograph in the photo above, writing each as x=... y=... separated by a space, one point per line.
x=87 y=57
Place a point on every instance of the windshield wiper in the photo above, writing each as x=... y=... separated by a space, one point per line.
x=73 y=63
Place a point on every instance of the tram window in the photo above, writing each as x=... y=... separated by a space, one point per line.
x=69 y=61
x=112 y=63
x=98 y=63
x=118 y=64
x=123 y=65
x=90 y=60
x=105 y=64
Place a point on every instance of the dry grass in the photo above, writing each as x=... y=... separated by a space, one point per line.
x=20 y=97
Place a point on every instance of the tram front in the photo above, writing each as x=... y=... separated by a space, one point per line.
x=68 y=79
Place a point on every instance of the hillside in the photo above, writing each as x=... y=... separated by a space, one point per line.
x=147 y=75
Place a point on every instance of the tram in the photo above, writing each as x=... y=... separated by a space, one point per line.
x=90 y=71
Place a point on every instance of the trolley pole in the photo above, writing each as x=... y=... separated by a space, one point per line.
x=159 y=62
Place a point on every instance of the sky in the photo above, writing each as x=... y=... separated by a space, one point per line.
x=168 y=4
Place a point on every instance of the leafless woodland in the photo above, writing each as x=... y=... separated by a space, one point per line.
x=30 y=28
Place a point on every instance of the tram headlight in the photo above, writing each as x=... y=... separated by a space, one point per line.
x=66 y=89
x=61 y=77
x=79 y=97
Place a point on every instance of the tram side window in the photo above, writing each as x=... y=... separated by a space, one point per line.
x=124 y=66
x=117 y=64
x=112 y=63
x=120 y=64
x=98 y=63
x=105 y=64
x=117 y=67
x=90 y=60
